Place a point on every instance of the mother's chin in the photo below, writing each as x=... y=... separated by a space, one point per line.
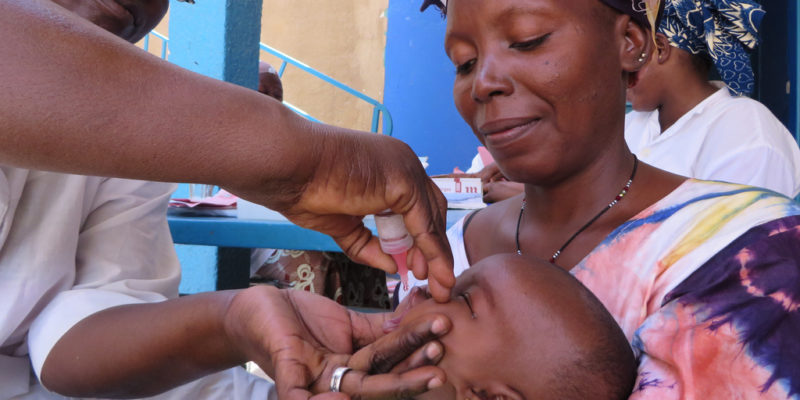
x=146 y=15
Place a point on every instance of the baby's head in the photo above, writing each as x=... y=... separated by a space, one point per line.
x=525 y=329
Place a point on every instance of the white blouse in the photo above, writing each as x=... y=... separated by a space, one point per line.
x=724 y=138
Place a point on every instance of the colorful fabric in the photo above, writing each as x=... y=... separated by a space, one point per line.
x=670 y=279
x=747 y=298
x=706 y=285
x=330 y=274
x=725 y=30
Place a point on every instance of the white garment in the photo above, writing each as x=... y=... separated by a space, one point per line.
x=71 y=246
x=476 y=165
x=724 y=138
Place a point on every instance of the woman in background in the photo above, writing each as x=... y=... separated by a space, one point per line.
x=685 y=124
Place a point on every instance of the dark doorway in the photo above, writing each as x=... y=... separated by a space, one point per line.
x=774 y=61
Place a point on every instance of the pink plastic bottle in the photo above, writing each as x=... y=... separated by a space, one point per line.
x=395 y=241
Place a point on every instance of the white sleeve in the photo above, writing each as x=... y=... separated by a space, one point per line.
x=125 y=255
x=755 y=166
x=476 y=166
x=746 y=144
x=455 y=235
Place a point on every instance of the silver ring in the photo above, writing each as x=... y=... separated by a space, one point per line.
x=336 y=379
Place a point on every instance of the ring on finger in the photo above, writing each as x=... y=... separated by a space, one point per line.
x=336 y=379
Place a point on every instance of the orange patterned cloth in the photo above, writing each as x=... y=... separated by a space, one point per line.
x=331 y=274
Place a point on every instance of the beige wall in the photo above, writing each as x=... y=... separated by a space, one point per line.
x=344 y=39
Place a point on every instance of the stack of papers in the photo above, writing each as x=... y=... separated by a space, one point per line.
x=222 y=204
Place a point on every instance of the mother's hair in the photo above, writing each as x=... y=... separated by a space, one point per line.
x=647 y=13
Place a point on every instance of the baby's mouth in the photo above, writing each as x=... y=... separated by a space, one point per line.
x=417 y=295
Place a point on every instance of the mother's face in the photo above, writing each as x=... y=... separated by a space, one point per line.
x=128 y=19
x=539 y=81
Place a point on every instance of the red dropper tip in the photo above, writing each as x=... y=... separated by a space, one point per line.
x=402 y=268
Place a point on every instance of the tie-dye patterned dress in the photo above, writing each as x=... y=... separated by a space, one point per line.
x=706 y=285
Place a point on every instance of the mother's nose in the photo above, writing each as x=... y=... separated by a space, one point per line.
x=490 y=80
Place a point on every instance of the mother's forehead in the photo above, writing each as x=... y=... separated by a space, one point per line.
x=646 y=12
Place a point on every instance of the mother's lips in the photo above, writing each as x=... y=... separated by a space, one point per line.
x=503 y=125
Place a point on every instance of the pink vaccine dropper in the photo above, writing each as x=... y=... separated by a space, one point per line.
x=395 y=241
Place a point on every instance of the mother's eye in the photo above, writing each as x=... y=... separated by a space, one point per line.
x=529 y=44
x=465 y=68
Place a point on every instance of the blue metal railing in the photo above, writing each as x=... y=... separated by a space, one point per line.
x=164 y=42
x=378 y=108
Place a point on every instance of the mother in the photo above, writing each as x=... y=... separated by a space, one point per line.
x=702 y=276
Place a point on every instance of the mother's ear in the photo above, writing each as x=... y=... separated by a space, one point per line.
x=636 y=46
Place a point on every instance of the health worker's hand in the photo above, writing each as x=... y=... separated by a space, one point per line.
x=348 y=175
x=300 y=338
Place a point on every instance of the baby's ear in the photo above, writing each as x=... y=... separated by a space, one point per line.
x=636 y=45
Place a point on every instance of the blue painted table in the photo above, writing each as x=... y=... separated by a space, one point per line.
x=235 y=237
x=252 y=233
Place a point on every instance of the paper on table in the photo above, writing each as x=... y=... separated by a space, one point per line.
x=461 y=192
x=222 y=199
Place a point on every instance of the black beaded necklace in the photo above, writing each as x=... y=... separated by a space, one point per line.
x=616 y=200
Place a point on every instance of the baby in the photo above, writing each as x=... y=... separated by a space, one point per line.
x=525 y=329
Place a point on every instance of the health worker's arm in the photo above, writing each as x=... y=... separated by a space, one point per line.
x=299 y=338
x=110 y=109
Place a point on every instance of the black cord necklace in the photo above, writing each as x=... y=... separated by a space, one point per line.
x=616 y=200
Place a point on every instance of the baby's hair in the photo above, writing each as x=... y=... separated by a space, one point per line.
x=600 y=364
x=605 y=372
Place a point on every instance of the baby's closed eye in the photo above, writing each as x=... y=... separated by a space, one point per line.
x=468 y=300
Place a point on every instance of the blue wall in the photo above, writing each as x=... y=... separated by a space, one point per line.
x=217 y=39
x=418 y=88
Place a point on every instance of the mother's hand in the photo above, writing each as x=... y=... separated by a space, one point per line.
x=300 y=338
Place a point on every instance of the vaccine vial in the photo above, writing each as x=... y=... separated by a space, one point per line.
x=395 y=241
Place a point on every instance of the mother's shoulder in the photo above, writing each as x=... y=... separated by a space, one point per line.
x=496 y=212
